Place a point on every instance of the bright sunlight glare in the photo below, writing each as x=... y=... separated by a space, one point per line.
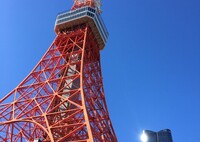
x=144 y=137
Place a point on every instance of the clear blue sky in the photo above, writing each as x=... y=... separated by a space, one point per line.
x=151 y=63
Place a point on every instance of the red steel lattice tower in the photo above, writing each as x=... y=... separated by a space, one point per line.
x=62 y=99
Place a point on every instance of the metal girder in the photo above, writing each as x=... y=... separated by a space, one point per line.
x=62 y=99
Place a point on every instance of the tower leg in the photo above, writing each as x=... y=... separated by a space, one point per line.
x=62 y=99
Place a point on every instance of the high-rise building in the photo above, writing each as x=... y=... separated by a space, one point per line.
x=160 y=136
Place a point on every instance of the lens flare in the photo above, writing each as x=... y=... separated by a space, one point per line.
x=144 y=137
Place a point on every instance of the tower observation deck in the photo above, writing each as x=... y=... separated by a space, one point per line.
x=62 y=99
x=83 y=15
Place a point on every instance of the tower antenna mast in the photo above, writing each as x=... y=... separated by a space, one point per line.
x=92 y=3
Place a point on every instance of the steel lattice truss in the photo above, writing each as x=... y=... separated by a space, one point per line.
x=62 y=99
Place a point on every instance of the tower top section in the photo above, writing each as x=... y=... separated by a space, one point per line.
x=84 y=12
x=96 y=4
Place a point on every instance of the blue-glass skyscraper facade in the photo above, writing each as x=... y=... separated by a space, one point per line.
x=160 y=136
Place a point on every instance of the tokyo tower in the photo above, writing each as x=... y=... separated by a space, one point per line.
x=62 y=99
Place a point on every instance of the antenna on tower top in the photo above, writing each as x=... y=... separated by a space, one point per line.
x=93 y=3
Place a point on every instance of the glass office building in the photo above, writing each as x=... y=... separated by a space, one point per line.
x=160 y=136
